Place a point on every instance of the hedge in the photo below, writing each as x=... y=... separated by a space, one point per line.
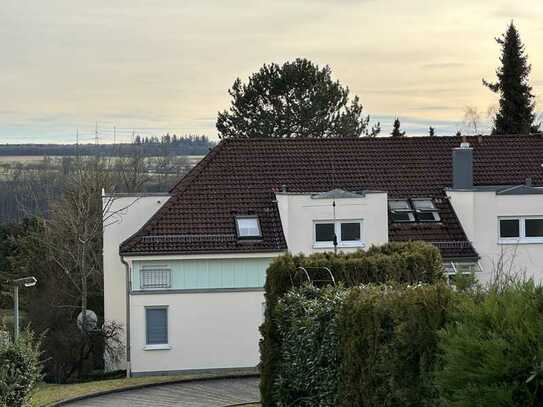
x=410 y=263
x=359 y=347
x=306 y=322
x=389 y=338
x=491 y=354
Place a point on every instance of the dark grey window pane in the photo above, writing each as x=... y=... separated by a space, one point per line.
x=324 y=232
x=534 y=227
x=402 y=216
x=157 y=325
x=428 y=216
x=350 y=231
x=509 y=228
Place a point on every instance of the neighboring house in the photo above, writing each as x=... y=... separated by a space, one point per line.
x=196 y=268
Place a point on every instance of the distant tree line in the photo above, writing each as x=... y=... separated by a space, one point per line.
x=148 y=146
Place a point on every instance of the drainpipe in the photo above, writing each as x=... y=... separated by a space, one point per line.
x=128 y=364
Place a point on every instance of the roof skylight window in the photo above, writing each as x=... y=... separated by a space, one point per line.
x=248 y=227
x=401 y=211
x=425 y=210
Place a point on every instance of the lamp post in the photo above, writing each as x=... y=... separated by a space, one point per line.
x=20 y=282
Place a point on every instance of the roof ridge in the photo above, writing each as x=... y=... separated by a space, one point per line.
x=197 y=169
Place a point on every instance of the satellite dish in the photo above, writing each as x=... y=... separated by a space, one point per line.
x=91 y=321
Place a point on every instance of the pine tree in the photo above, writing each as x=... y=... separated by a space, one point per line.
x=516 y=106
x=396 y=132
x=296 y=99
x=431 y=131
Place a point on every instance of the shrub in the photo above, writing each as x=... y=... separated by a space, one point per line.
x=492 y=349
x=308 y=367
x=410 y=262
x=20 y=369
x=389 y=339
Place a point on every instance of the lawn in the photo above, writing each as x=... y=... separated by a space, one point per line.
x=50 y=393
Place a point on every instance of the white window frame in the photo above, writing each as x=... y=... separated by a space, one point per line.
x=452 y=270
x=409 y=211
x=155 y=268
x=257 y=220
x=337 y=231
x=434 y=211
x=522 y=239
x=157 y=346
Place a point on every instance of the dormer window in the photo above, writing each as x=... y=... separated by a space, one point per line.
x=425 y=210
x=401 y=211
x=248 y=227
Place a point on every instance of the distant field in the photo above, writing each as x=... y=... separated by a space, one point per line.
x=37 y=158
x=20 y=158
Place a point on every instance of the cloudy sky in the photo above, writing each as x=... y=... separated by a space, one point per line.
x=166 y=65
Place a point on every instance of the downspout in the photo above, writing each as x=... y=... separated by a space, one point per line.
x=128 y=364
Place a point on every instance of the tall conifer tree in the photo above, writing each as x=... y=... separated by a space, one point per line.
x=396 y=132
x=515 y=113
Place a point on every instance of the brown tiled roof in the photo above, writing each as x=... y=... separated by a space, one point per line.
x=240 y=177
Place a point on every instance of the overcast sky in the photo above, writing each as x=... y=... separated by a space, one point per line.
x=166 y=65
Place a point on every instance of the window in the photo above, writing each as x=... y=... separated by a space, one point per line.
x=248 y=227
x=153 y=277
x=509 y=228
x=426 y=210
x=348 y=233
x=401 y=211
x=324 y=233
x=534 y=228
x=454 y=269
x=520 y=230
x=156 y=325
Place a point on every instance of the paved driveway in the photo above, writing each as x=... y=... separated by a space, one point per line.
x=209 y=393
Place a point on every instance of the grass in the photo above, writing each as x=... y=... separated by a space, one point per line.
x=47 y=394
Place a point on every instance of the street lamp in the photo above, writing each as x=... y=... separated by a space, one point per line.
x=20 y=282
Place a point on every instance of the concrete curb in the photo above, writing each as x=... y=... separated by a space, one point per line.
x=147 y=385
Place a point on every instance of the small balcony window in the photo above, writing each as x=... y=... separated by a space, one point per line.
x=248 y=227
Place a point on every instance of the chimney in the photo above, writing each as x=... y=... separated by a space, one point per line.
x=463 y=167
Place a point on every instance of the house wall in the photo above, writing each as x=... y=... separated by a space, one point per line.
x=125 y=215
x=215 y=307
x=205 y=331
x=478 y=211
x=299 y=212
x=198 y=274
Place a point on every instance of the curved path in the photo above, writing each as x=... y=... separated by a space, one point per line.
x=209 y=393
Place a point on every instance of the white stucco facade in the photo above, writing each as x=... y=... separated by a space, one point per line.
x=125 y=215
x=206 y=330
x=299 y=212
x=479 y=212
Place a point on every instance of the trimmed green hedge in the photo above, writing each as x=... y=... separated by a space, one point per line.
x=411 y=263
x=359 y=347
x=389 y=339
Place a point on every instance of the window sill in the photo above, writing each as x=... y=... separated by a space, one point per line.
x=164 y=346
x=520 y=241
x=339 y=246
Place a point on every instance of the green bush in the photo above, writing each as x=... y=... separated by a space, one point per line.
x=367 y=346
x=389 y=339
x=20 y=370
x=492 y=351
x=308 y=368
x=410 y=262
